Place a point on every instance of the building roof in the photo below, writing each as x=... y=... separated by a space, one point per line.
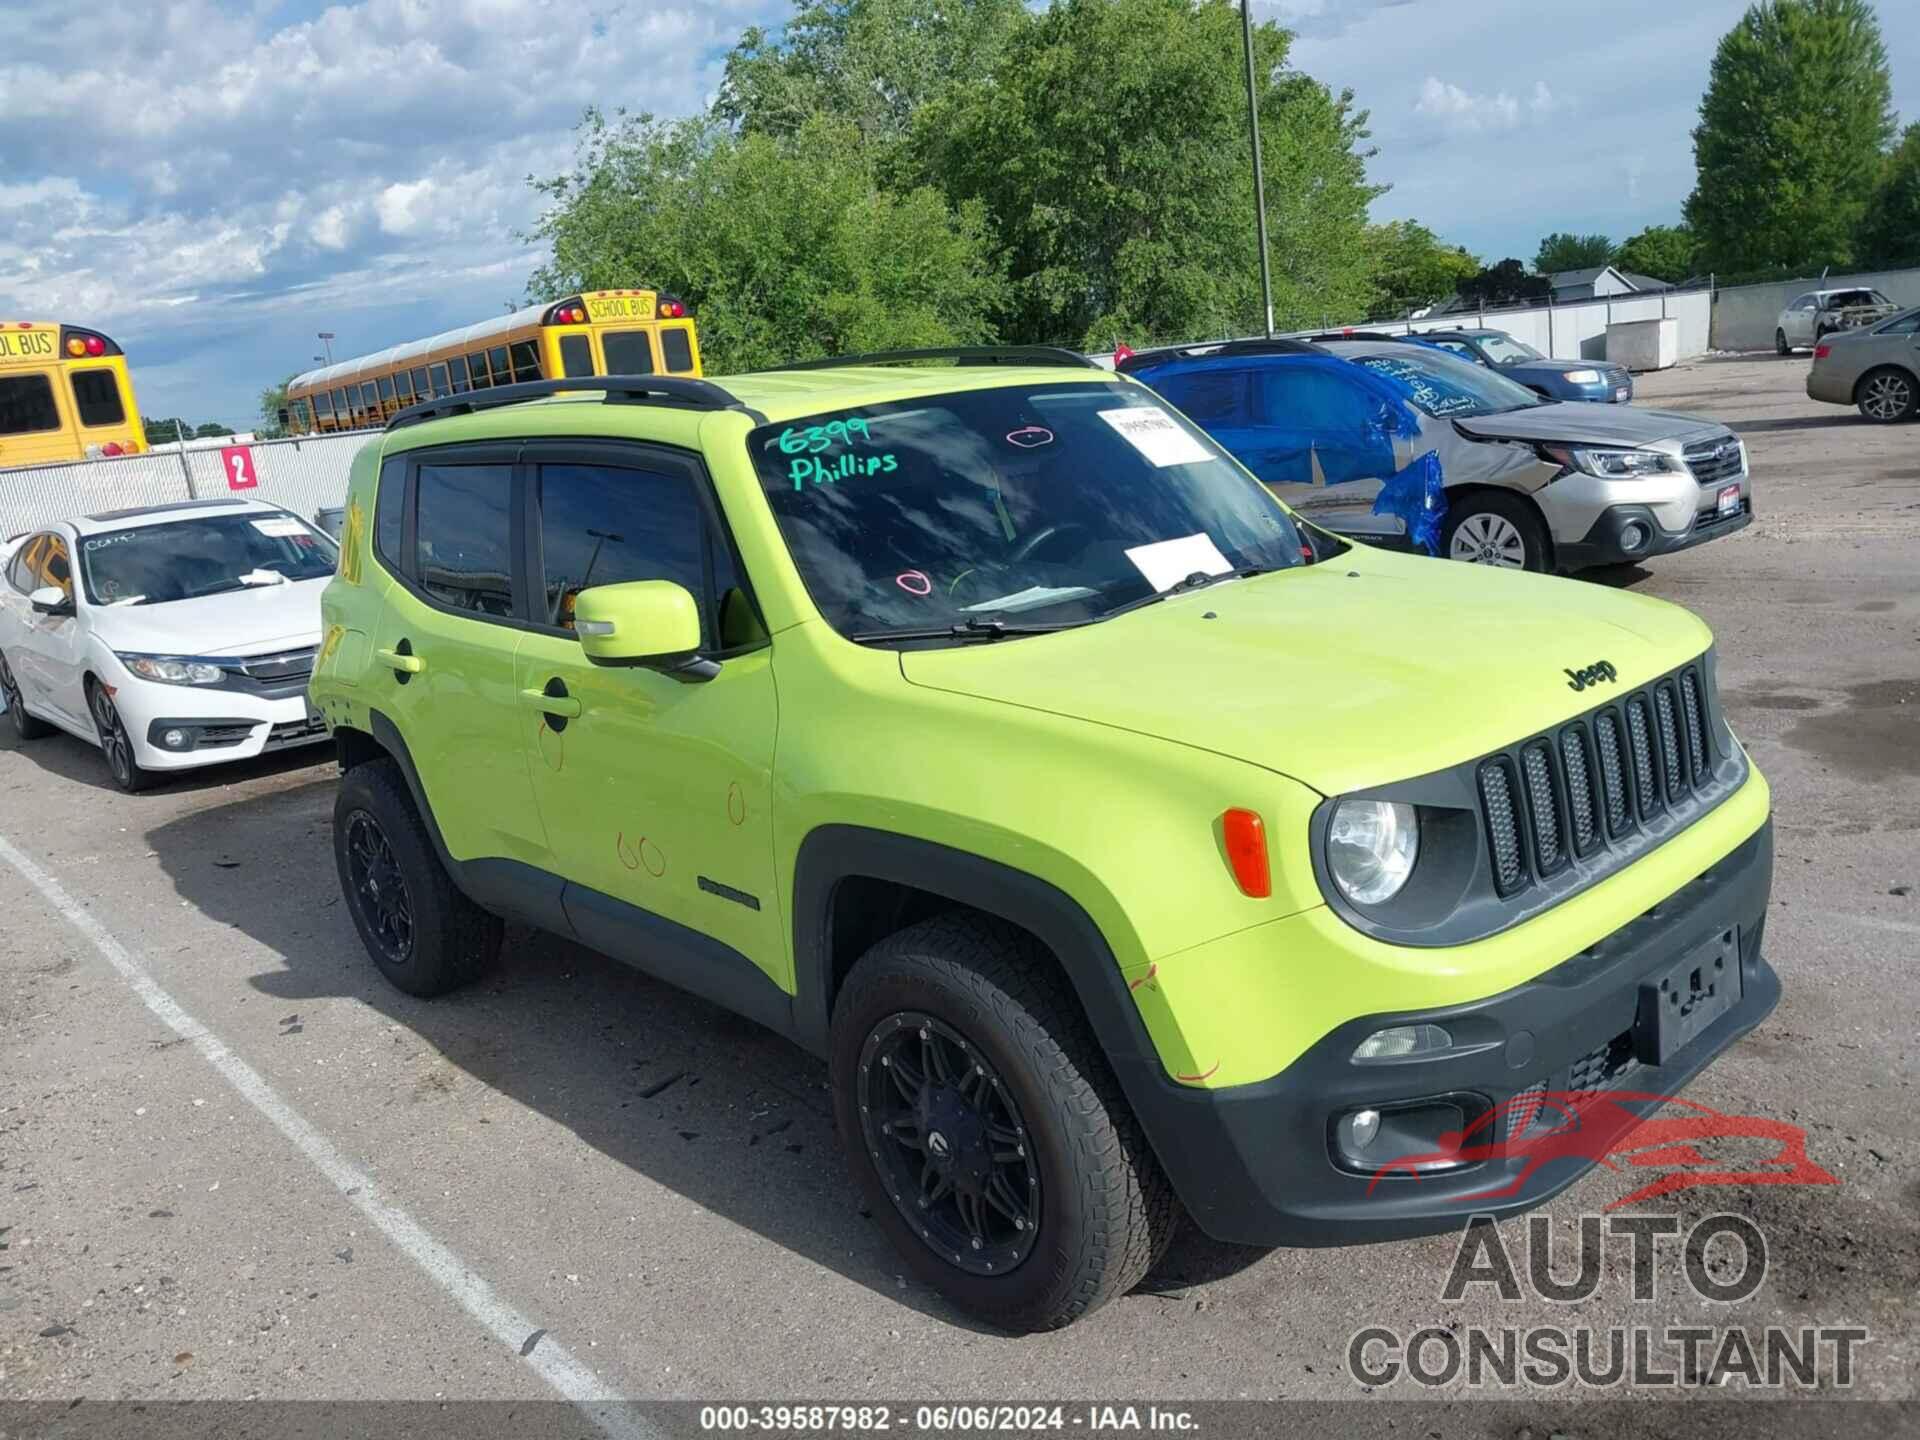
x=1567 y=279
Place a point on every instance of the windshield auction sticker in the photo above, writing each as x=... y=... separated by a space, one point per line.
x=1157 y=435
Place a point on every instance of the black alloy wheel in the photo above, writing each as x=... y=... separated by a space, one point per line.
x=378 y=890
x=949 y=1143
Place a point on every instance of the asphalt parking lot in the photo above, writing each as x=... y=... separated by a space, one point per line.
x=261 y=1172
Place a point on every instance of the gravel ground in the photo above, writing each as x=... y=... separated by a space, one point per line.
x=651 y=1187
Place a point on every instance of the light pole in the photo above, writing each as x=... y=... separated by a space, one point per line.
x=1259 y=178
x=327 y=336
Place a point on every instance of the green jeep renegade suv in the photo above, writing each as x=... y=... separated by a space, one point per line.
x=1128 y=848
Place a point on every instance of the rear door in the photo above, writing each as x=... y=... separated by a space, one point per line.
x=1322 y=451
x=444 y=651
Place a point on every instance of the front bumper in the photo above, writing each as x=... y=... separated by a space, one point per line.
x=1610 y=539
x=1254 y=1165
x=217 y=724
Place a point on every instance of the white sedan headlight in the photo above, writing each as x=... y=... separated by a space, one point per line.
x=1371 y=847
x=170 y=670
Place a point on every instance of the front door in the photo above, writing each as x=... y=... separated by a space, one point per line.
x=444 y=654
x=53 y=650
x=657 y=791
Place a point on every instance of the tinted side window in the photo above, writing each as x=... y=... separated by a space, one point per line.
x=628 y=352
x=97 y=396
x=389 y=513
x=576 y=355
x=55 y=566
x=602 y=525
x=322 y=403
x=677 y=349
x=385 y=387
x=370 y=403
x=1905 y=325
x=1213 y=396
x=497 y=358
x=464 y=545
x=26 y=405
x=343 y=412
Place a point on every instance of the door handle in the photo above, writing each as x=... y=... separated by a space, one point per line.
x=405 y=662
x=563 y=704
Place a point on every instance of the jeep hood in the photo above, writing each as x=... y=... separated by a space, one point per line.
x=1580 y=423
x=1359 y=671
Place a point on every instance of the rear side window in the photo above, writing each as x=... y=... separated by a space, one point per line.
x=1905 y=325
x=576 y=355
x=26 y=405
x=463 y=547
x=389 y=514
x=1209 y=397
x=628 y=352
x=96 y=396
x=677 y=349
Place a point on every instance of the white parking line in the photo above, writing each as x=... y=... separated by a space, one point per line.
x=550 y=1359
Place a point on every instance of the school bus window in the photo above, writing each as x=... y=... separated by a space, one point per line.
x=477 y=370
x=323 y=405
x=526 y=361
x=676 y=348
x=628 y=352
x=438 y=373
x=403 y=387
x=302 y=416
x=370 y=402
x=96 y=396
x=457 y=368
x=26 y=405
x=576 y=355
x=497 y=359
x=385 y=385
x=420 y=390
x=342 y=410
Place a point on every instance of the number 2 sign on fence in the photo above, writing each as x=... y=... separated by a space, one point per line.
x=237 y=460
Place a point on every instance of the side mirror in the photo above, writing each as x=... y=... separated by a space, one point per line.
x=51 y=600
x=641 y=622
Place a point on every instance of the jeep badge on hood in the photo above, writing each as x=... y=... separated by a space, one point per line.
x=1592 y=675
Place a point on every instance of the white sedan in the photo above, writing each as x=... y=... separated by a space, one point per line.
x=171 y=637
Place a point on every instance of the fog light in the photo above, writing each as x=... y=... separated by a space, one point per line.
x=176 y=740
x=1360 y=1127
x=1398 y=1042
x=1633 y=537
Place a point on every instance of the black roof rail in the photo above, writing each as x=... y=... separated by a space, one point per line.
x=962 y=354
x=1142 y=358
x=619 y=389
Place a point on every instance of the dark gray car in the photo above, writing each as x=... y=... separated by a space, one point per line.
x=1517 y=360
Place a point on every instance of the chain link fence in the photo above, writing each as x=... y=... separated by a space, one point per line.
x=304 y=475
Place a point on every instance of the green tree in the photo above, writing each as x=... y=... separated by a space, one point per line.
x=211 y=430
x=273 y=401
x=1665 y=252
x=1507 y=283
x=870 y=62
x=1412 y=268
x=1110 y=152
x=1890 y=231
x=1560 y=251
x=1797 y=111
x=784 y=246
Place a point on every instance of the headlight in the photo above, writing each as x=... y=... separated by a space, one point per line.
x=1610 y=464
x=173 y=672
x=1371 y=847
x=1583 y=377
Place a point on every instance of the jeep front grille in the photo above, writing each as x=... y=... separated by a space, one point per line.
x=1598 y=779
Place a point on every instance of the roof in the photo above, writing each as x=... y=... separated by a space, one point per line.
x=160 y=514
x=1645 y=282
x=380 y=360
x=1562 y=279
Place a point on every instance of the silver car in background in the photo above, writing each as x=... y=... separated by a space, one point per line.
x=1820 y=313
x=1877 y=370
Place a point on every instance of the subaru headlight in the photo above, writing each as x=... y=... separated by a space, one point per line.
x=169 y=670
x=1371 y=847
x=1583 y=377
x=1610 y=463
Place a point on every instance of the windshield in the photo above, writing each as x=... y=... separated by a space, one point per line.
x=1841 y=299
x=1505 y=350
x=1030 y=506
x=185 y=559
x=1447 y=388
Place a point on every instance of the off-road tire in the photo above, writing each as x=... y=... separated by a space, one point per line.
x=1106 y=1210
x=1518 y=514
x=453 y=939
x=25 y=726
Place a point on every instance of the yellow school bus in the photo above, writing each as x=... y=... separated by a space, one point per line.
x=598 y=332
x=64 y=395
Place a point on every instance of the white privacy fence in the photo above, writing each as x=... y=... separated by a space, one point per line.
x=1577 y=329
x=304 y=475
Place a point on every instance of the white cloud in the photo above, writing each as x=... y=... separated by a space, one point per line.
x=1462 y=111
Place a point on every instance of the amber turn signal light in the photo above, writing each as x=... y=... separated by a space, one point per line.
x=1245 y=834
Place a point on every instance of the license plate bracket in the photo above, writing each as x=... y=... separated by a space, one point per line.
x=1729 y=499
x=1679 y=1002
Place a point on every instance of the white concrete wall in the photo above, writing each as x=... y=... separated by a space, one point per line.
x=1745 y=316
x=1578 y=330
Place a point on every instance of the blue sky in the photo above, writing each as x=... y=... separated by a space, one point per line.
x=215 y=181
